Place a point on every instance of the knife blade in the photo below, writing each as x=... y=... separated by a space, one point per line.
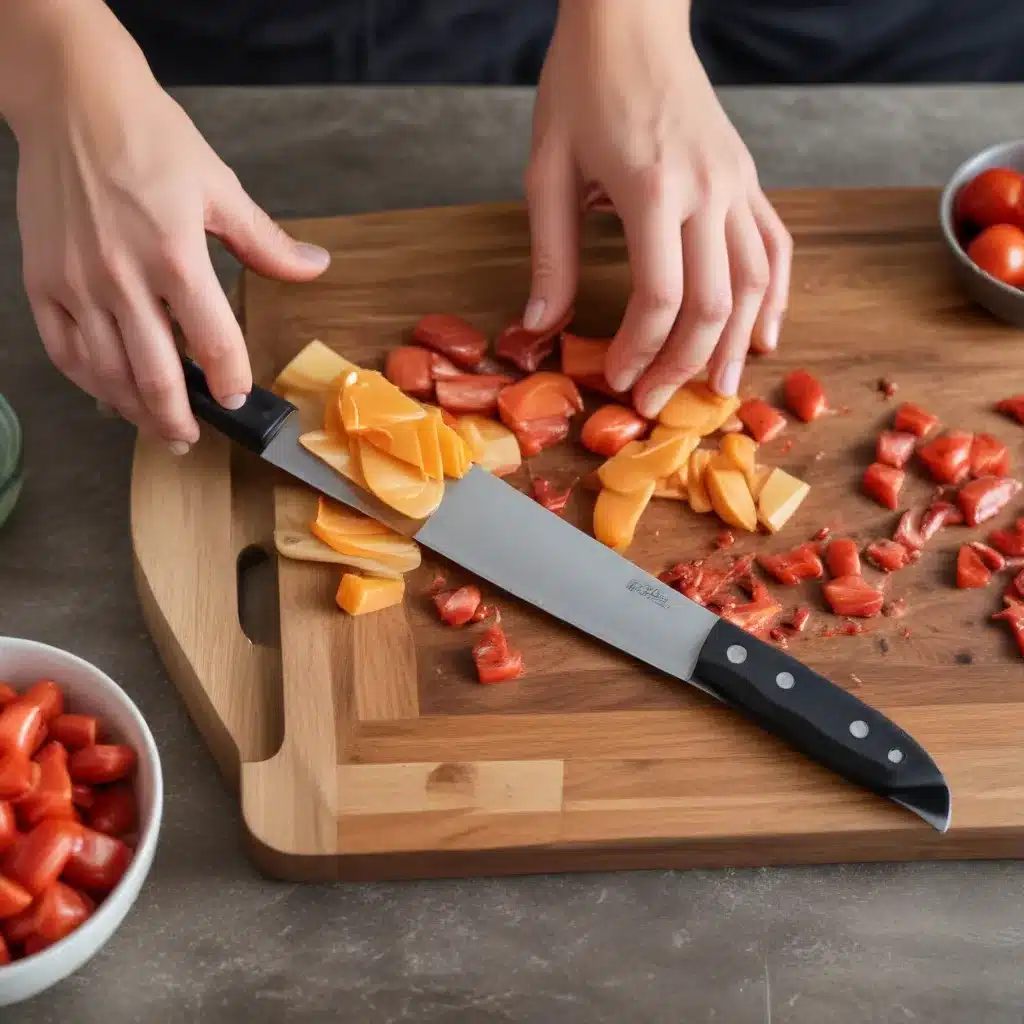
x=511 y=541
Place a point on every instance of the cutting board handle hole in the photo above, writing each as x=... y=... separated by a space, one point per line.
x=258 y=614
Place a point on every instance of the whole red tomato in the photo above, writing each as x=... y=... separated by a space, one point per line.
x=995 y=196
x=999 y=251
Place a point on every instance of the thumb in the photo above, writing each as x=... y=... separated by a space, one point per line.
x=554 y=207
x=259 y=242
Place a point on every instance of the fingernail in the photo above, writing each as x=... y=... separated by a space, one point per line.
x=729 y=379
x=314 y=255
x=770 y=335
x=179 y=447
x=533 y=314
x=234 y=401
x=655 y=400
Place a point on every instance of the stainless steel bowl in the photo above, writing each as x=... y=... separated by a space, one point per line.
x=1003 y=300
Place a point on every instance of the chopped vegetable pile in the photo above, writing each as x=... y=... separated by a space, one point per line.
x=68 y=818
x=444 y=403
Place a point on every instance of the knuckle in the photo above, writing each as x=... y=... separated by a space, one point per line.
x=659 y=297
x=711 y=308
x=158 y=391
x=652 y=182
x=754 y=278
x=174 y=259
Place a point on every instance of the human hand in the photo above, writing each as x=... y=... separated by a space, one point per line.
x=625 y=111
x=117 y=190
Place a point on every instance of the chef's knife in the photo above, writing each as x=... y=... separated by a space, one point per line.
x=508 y=539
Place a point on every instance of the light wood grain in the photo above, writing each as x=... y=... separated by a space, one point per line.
x=374 y=754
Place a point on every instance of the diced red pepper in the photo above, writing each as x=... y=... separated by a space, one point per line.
x=74 y=731
x=971 y=571
x=756 y=616
x=456 y=607
x=805 y=397
x=114 y=810
x=948 y=457
x=7 y=695
x=883 y=483
x=938 y=515
x=102 y=763
x=992 y=558
x=442 y=368
x=97 y=862
x=763 y=421
x=82 y=796
x=888 y=555
x=8 y=825
x=583 y=357
x=553 y=499
x=887 y=387
x=453 y=337
x=894 y=448
x=853 y=596
x=536 y=435
x=495 y=662
x=842 y=557
x=986 y=497
x=1015 y=588
x=528 y=349
x=724 y=539
x=540 y=396
x=989 y=456
x=22 y=727
x=5 y=953
x=790 y=567
x=471 y=393
x=60 y=910
x=51 y=795
x=801 y=617
x=46 y=695
x=1014 y=615
x=38 y=859
x=14 y=899
x=409 y=368
x=914 y=420
x=1010 y=542
x=1013 y=407
x=18 y=774
x=609 y=429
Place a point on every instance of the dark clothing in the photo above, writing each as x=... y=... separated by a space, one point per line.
x=274 y=42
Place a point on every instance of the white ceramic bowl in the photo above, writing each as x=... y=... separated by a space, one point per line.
x=87 y=691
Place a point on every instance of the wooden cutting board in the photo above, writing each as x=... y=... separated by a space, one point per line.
x=362 y=748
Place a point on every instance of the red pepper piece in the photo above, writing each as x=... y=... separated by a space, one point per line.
x=971 y=571
x=442 y=368
x=758 y=615
x=74 y=731
x=7 y=695
x=553 y=499
x=22 y=727
x=801 y=617
x=114 y=810
x=18 y=774
x=495 y=662
x=894 y=448
x=609 y=429
x=102 y=763
x=82 y=796
x=14 y=898
x=948 y=457
x=843 y=558
x=938 y=515
x=453 y=337
x=883 y=483
x=887 y=555
x=1014 y=615
x=528 y=349
x=409 y=368
x=790 y=567
x=805 y=397
x=5 y=953
x=914 y=420
x=1010 y=542
x=47 y=696
x=1015 y=588
x=97 y=862
x=457 y=607
x=1013 y=407
x=853 y=596
x=60 y=911
x=51 y=795
x=763 y=421
x=471 y=393
x=986 y=497
x=992 y=558
x=724 y=539
x=8 y=826
x=989 y=456
x=536 y=435
x=38 y=859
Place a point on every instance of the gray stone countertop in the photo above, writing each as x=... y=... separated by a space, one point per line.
x=210 y=940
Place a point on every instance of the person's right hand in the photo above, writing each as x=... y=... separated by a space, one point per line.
x=117 y=190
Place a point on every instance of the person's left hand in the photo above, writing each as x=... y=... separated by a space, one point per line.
x=625 y=110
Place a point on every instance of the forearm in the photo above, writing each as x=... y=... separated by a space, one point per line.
x=50 y=46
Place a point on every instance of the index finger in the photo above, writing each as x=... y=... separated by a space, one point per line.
x=214 y=336
x=651 y=224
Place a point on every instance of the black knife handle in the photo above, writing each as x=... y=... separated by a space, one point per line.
x=818 y=717
x=253 y=426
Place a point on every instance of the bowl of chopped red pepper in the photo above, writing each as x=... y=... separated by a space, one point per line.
x=982 y=217
x=81 y=800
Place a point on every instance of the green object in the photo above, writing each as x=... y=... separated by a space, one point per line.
x=11 y=462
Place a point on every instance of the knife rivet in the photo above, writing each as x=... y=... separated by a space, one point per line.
x=859 y=729
x=785 y=680
x=736 y=654
x=895 y=755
